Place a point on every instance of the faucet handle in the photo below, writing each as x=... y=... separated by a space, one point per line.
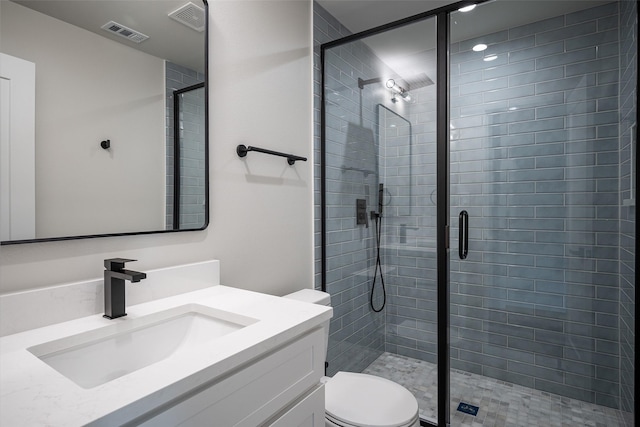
x=115 y=264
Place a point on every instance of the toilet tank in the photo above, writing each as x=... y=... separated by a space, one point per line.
x=315 y=297
x=312 y=296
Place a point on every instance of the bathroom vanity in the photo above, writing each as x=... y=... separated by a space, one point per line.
x=212 y=356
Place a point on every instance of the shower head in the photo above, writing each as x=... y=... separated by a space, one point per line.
x=418 y=81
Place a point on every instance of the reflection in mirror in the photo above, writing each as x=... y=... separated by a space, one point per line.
x=188 y=186
x=116 y=136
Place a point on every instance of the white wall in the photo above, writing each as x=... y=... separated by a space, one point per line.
x=261 y=208
x=75 y=178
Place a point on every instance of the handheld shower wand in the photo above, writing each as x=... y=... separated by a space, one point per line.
x=377 y=214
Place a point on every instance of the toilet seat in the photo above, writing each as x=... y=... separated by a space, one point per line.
x=361 y=400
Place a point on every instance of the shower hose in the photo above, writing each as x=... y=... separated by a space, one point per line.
x=378 y=226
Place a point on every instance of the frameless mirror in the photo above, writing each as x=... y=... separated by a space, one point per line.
x=103 y=109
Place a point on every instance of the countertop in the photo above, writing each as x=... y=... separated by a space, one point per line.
x=34 y=394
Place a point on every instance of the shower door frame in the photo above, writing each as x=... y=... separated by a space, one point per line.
x=443 y=194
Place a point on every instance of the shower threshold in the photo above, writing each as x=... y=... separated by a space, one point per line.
x=500 y=403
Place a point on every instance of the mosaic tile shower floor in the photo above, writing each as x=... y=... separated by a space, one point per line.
x=501 y=404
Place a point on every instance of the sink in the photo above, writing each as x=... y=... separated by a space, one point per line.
x=96 y=357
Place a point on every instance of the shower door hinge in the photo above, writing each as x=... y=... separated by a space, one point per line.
x=446 y=237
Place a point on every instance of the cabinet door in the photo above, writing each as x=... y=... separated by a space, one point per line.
x=309 y=412
x=255 y=393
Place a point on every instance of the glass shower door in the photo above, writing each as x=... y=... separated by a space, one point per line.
x=380 y=206
x=541 y=218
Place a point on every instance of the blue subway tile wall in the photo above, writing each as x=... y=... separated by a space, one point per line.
x=356 y=333
x=539 y=292
x=408 y=133
x=628 y=114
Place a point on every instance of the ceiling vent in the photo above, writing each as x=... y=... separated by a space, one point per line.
x=190 y=15
x=122 y=31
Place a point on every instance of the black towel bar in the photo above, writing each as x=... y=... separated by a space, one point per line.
x=242 y=151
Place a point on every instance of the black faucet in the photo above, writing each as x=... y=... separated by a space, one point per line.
x=114 y=277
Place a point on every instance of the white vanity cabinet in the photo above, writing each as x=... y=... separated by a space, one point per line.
x=266 y=372
x=280 y=388
x=309 y=412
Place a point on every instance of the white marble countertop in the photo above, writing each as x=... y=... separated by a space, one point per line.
x=34 y=394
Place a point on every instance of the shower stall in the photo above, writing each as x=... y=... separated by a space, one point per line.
x=476 y=209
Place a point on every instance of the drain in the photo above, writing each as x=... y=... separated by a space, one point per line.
x=468 y=409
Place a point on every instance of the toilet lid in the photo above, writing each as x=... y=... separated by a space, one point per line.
x=366 y=400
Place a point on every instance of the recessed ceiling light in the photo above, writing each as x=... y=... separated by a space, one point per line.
x=479 y=47
x=490 y=58
x=467 y=8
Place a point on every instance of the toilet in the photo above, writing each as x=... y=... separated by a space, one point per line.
x=361 y=400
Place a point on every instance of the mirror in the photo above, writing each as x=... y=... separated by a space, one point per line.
x=98 y=153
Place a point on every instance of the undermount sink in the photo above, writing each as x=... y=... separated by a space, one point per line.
x=96 y=357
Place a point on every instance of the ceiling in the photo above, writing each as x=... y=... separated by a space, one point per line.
x=410 y=50
x=168 y=39
x=399 y=49
x=360 y=15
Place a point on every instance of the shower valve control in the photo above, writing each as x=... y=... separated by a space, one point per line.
x=361 y=212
